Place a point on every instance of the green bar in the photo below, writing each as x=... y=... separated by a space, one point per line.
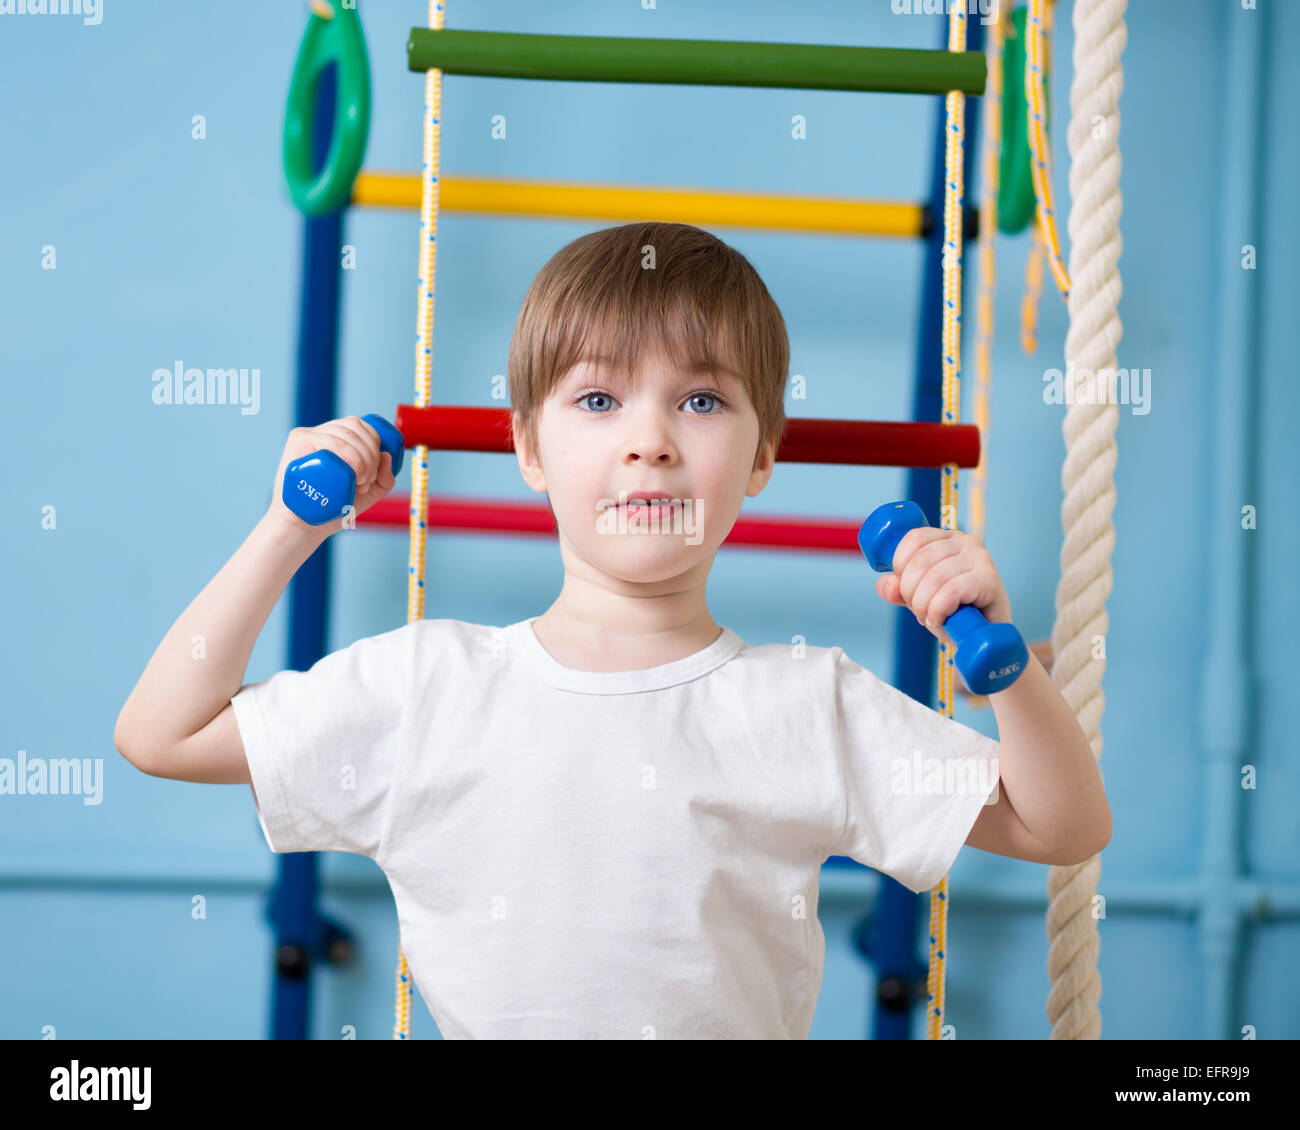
x=702 y=62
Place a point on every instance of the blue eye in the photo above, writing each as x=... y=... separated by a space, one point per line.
x=594 y=396
x=582 y=398
x=706 y=396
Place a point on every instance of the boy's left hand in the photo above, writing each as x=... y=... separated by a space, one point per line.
x=937 y=571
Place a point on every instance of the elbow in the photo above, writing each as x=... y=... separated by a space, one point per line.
x=128 y=757
x=124 y=745
x=120 y=743
x=1106 y=828
x=1084 y=847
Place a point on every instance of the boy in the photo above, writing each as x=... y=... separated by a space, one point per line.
x=609 y=820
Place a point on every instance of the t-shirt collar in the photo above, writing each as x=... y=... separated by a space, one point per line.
x=525 y=640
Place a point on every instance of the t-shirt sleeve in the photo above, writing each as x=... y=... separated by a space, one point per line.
x=914 y=780
x=323 y=747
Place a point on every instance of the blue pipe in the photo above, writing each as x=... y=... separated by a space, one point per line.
x=293 y=910
x=1227 y=691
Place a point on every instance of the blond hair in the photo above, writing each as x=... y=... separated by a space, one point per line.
x=620 y=292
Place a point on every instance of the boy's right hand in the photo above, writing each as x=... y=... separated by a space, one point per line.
x=357 y=444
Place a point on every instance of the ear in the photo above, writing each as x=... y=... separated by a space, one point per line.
x=763 y=465
x=528 y=465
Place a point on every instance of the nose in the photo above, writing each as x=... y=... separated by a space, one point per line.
x=648 y=438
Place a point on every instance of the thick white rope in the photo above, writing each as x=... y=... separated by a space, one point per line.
x=1088 y=477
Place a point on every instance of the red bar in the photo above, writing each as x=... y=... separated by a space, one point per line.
x=862 y=443
x=448 y=512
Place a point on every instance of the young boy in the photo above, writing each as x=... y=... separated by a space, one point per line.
x=609 y=820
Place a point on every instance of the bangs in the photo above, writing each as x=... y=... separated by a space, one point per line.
x=628 y=328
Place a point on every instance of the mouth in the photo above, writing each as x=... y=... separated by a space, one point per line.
x=649 y=507
x=647 y=513
x=638 y=507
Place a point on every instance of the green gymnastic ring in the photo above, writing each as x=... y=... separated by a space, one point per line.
x=337 y=41
x=1016 y=201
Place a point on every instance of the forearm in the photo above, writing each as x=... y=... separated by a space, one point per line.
x=200 y=664
x=1047 y=767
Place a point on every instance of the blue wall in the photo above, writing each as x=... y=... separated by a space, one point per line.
x=176 y=249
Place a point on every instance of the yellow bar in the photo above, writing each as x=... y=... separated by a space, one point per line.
x=686 y=206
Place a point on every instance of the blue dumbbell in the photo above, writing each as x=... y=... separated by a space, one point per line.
x=990 y=657
x=318 y=486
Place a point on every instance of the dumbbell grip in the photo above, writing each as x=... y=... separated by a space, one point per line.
x=990 y=656
x=320 y=486
x=965 y=620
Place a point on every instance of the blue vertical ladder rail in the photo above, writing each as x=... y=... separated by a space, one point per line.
x=888 y=935
x=303 y=935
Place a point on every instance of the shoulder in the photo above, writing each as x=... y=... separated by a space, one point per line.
x=438 y=641
x=456 y=636
x=794 y=668
x=444 y=647
x=801 y=671
x=793 y=656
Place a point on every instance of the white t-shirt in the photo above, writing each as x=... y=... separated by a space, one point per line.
x=608 y=855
